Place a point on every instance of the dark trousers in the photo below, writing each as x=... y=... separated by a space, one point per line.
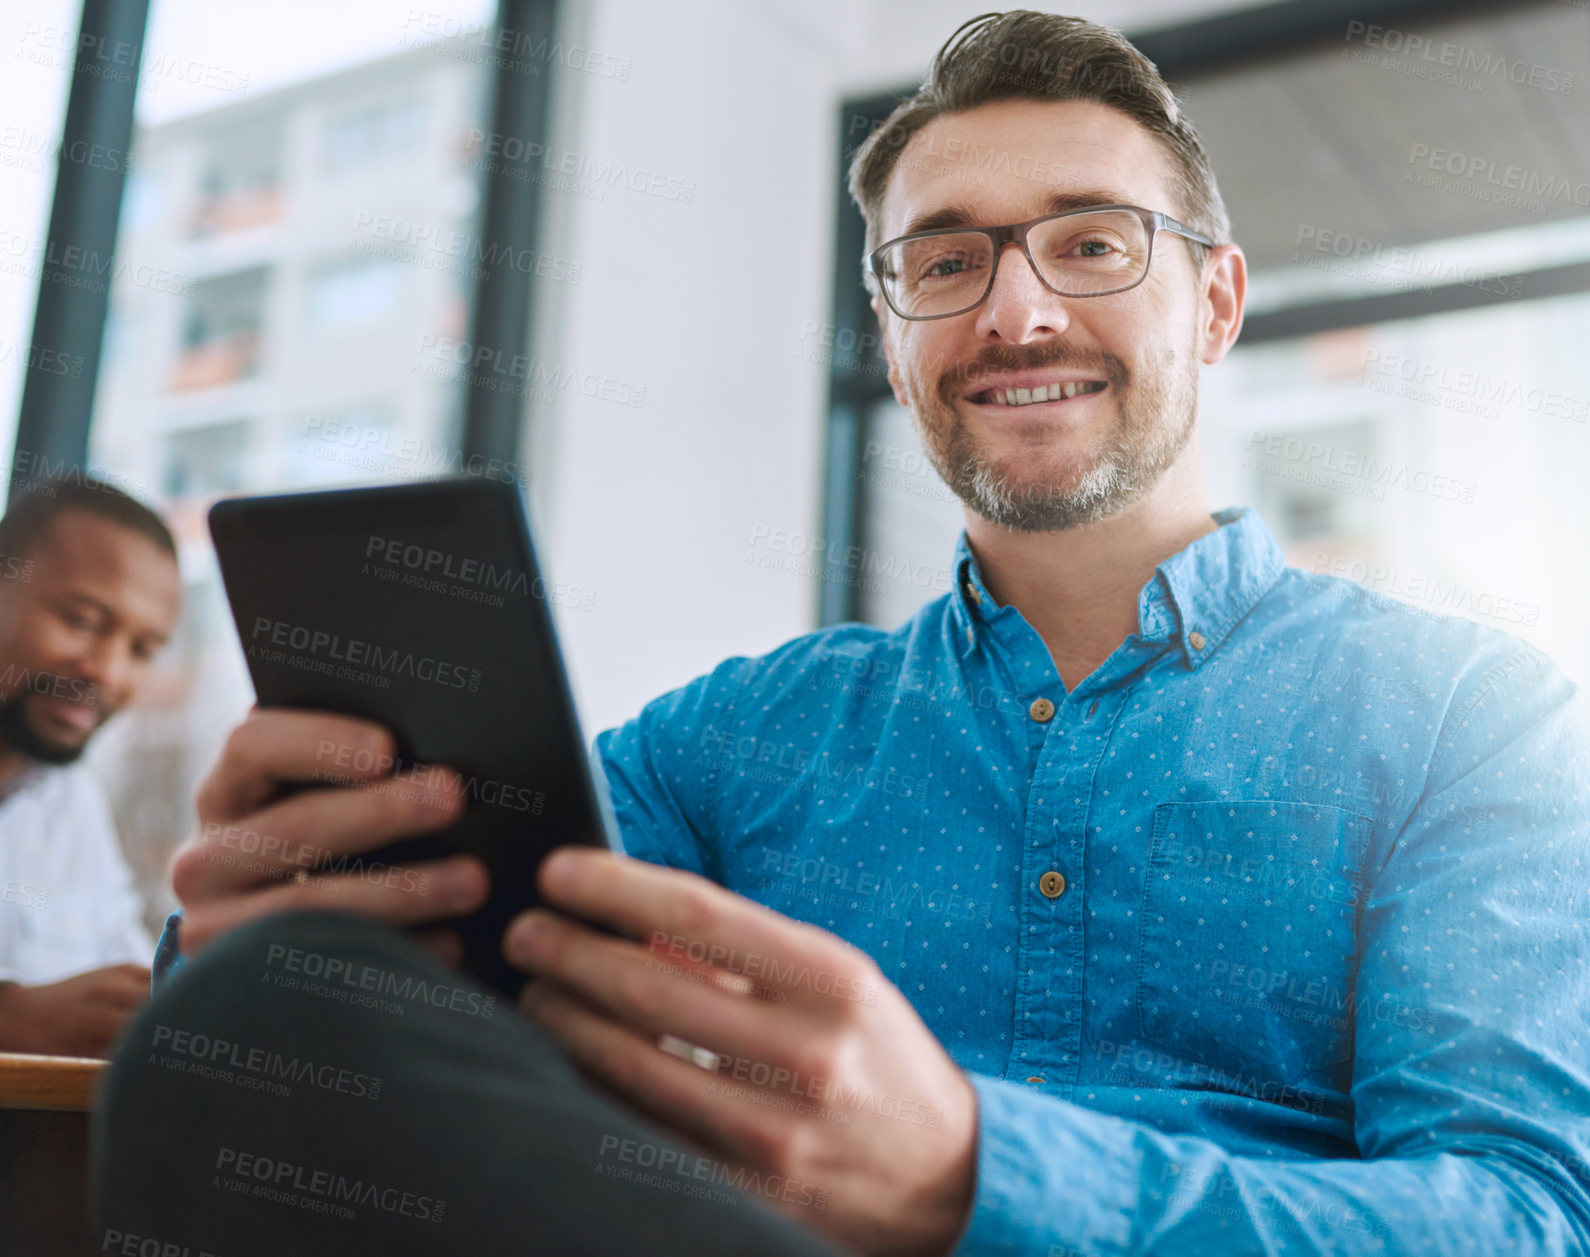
x=315 y=1083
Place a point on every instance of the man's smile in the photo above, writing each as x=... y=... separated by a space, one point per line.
x=81 y=717
x=1015 y=391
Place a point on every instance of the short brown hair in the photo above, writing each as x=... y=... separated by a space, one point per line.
x=1023 y=55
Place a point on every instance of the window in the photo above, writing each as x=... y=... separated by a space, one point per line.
x=1409 y=404
x=141 y=201
x=33 y=104
x=206 y=461
x=348 y=293
x=220 y=335
x=218 y=358
x=240 y=184
x=369 y=134
x=345 y=444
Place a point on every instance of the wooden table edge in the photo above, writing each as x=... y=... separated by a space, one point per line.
x=48 y=1082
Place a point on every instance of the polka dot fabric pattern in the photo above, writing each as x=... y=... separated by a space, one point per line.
x=1271 y=936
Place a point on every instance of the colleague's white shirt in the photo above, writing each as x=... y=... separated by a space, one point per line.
x=67 y=903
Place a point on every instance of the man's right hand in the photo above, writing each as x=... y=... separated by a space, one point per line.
x=255 y=847
x=75 y=1017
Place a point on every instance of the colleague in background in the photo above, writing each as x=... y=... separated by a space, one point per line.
x=89 y=592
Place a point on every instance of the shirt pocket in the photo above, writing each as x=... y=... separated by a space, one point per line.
x=1247 y=948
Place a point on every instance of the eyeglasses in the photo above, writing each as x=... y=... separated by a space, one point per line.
x=1089 y=252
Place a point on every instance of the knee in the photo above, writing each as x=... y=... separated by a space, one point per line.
x=288 y=950
x=273 y=980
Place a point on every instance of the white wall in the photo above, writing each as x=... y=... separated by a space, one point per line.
x=704 y=304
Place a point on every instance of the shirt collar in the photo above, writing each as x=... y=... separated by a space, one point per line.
x=1196 y=596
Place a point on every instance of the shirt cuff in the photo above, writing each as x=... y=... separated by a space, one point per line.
x=1051 y=1177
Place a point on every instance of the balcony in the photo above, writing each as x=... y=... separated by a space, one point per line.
x=238 y=210
x=221 y=360
x=221 y=340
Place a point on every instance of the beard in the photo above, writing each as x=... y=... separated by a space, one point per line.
x=1156 y=412
x=18 y=732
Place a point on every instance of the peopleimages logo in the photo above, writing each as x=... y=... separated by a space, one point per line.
x=339 y=974
x=1485 y=170
x=42 y=359
x=425 y=568
x=446 y=566
x=688 y=1165
x=207 y=1056
x=75 y=266
x=463 y=247
x=521 y=50
x=1337 y=251
x=55 y=686
x=130 y=1244
x=1460 y=57
x=512 y=152
x=24 y=894
x=1471 y=384
x=279 y=1179
x=486 y=790
x=519 y=374
x=351 y=653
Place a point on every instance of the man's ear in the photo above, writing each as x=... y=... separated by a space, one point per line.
x=885 y=334
x=1225 y=291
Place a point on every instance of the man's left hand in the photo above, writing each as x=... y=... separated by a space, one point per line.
x=827 y=1088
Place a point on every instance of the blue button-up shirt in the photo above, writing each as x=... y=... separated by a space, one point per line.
x=1269 y=937
x=1273 y=936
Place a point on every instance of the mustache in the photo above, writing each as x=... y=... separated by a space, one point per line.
x=1001 y=358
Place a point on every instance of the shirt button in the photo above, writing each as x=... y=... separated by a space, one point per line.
x=971 y=592
x=1052 y=884
x=1042 y=710
x=1036 y=1078
x=1195 y=639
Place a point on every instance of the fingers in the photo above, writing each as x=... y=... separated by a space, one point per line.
x=683 y=917
x=94 y=1041
x=274 y=745
x=429 y=891
x=312 y=828
x=259 y=853
x=98 y=1023
x=677 y=1093
x=628 y=982
x=126 y=990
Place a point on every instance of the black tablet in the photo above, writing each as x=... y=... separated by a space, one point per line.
x=421 y=606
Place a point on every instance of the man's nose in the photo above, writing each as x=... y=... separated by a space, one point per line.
x=109 y=667
x=1020 y=308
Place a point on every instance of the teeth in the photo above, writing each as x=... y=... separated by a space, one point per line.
x=1049 y=393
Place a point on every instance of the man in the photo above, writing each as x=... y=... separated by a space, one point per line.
x=89 y=592
x=1099 y=912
